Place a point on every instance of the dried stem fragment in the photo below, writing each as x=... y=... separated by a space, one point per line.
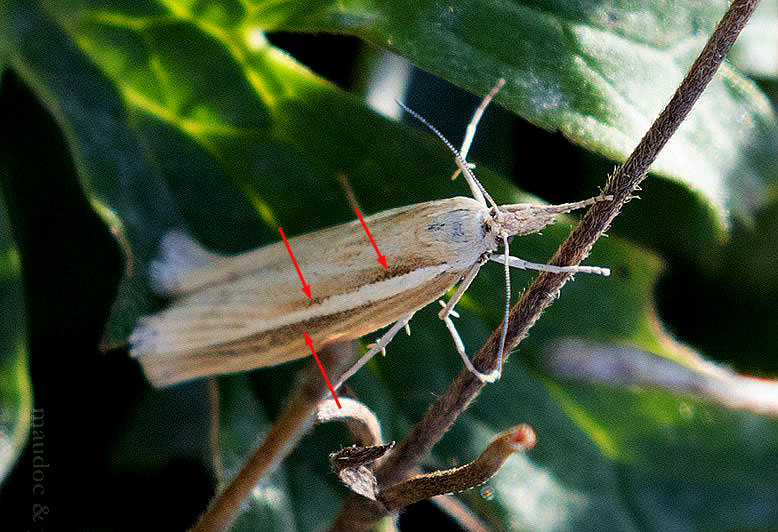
x=352 y=465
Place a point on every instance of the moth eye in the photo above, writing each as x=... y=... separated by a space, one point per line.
x=493 y=212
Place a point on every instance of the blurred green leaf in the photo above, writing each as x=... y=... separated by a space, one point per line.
x=183 y=115
x=599 y=72
x=15 y=391
x=243 y=426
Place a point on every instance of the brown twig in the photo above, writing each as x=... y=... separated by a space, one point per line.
x=295 y=420
x=352 y=467
x=362 y=513
x=520 y=438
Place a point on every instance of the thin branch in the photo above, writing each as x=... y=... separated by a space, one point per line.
x=520 y=438
x=624 y=366
x=295 y=420
x=543 y=290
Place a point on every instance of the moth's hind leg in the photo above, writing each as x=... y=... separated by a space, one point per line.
x=445 y=315
x=473 y=125
x=379 y=346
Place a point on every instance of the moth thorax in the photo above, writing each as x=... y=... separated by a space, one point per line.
x=492 y=230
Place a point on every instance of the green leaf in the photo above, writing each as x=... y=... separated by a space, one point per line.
x=182 y=115
x=598 y=72
x=15 y=390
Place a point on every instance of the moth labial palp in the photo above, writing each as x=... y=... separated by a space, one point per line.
x=236 y=313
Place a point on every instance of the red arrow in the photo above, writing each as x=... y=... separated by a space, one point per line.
x=309 y=342
x=306 y=288
x=381 y=258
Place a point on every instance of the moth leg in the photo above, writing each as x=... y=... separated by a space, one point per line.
x=467 y=280
x=515 y=262
x=492 y=376
x=379 y=346
x=465 y=167
x=473 y=125
x=452 y=311
x=445 y=315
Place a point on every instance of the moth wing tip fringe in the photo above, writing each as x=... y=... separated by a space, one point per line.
x=179 y=253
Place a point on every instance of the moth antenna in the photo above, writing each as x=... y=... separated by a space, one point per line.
x=507 y=308
x=478 y=190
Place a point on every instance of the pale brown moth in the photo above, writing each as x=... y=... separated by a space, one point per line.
x=237 y=313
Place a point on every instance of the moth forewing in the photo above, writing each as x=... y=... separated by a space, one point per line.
x=248 y=311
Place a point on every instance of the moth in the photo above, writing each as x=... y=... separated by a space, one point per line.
x=235 y=313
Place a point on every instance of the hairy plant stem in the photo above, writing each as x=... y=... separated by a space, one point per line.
x=359 y=513
x=296 y=418
x=520 y=438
